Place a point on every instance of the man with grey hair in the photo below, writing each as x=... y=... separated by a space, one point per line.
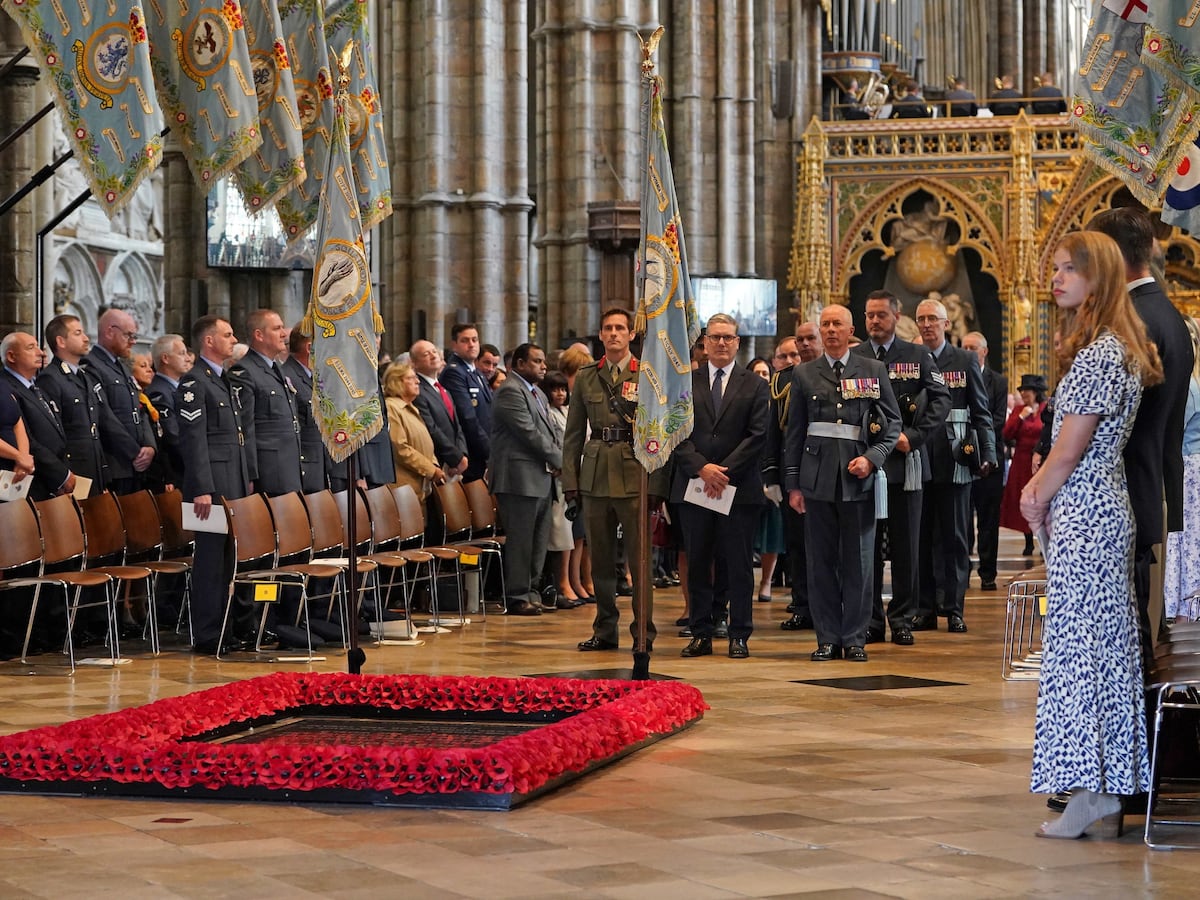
x=964 y=448
x=21 y=357
x=108 y=363
x=986 y=493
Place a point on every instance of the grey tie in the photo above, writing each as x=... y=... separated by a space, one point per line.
x=717 y=392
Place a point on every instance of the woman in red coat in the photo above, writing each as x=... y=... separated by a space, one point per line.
x=1023 y=428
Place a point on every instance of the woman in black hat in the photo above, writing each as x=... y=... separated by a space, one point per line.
x=1023 y=429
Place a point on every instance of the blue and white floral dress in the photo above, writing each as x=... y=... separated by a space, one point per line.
x=1091 y=724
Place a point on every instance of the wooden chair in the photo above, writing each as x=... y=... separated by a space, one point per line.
x=104 y=541
x=64 y=557
x=328 y=548
x=386 y=551
x=485 y=525
x=255 y=548
x=21 y=564
x=144 y=546
x=178 y=544
x=457 y=521
x=294 y=553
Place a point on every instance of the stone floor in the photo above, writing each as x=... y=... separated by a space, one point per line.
x=784 y=789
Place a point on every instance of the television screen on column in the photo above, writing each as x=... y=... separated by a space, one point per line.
x=749 y=300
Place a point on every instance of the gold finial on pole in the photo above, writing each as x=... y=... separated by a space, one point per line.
x=343 y=64
x=649 y=48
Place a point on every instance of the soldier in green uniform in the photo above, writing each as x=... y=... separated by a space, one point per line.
x=599 y=469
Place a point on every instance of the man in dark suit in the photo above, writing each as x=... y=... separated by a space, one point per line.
x=47 y=440
x=268 y=401
x=915 y=378
x=212 y=438
x=313 y=455
x=1047 y=99
x=472 y=397
x=172 y=360
x=946 y=507
x=843 y=423
x=1006 y=101
x=94 y=436
x=108 y=362
x=962 y=102
x=600 y=469
x=722 y=455
x=528 y=457
x=437 y=409
x=986 y=493
x=1154 y=454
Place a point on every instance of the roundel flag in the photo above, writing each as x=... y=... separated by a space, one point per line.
x=1181 y=202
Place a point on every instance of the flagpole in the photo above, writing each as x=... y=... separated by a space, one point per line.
x=355 y=655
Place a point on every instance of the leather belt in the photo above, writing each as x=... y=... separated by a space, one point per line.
x=614 y=434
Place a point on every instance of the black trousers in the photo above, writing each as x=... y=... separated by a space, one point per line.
x=945 y=560
x=793 y=530
x=903 y=530
x=840 y=540
x=986 y=494
x=728 y=542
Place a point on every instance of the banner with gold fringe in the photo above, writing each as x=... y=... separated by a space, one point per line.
x=368 y=149
x=97 y=61
x=278 y=164
x=205 y=83
x=304 y=27
x=666 y=312
x=342 y=317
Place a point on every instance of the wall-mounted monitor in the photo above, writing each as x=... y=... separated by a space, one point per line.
x=749 y=300
x=238 y=240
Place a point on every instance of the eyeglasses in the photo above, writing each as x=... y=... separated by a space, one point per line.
x=129 y=335
x=929 y=320
x=722 y=338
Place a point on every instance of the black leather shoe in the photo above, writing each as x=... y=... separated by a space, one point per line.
x=856 y=654
x=594 y=643
x=956 y=625
x=987 y=585
x=721 y=629
x=796 y=623
x=923 y=623
x=681 y=621
x=624 y=590
x=524 y=608
x=902 y=636
x=826 y=652
x=738 y=648
x=566 y=603
x=699 y=646
x=874 y=635
x=685 y=631
x=1058 y=802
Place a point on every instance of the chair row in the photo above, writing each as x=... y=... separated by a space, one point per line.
x=85 y=552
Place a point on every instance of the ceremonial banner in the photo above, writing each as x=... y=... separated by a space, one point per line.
x=368 y=149
x=97 y=60
x=304 y=27
x=205 y=83
x=278 y=165
x=341 y=313
x=666 y=311
x=1126 y=107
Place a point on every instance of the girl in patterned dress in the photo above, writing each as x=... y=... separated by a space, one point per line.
x=1090 y=733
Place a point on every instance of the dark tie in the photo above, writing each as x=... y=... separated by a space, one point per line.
x=881 y=352
x=277 y=372
x=717 y=392
x=37 y=392
x=446 y=401
x=837 y=369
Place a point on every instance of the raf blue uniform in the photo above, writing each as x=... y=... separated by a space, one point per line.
x=829 y=424
x=121 y=396
x=213 y=443
x=270 y=423
x=923 y=400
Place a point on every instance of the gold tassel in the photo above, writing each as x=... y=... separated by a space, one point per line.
x=306 y=324
x=639 y=321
